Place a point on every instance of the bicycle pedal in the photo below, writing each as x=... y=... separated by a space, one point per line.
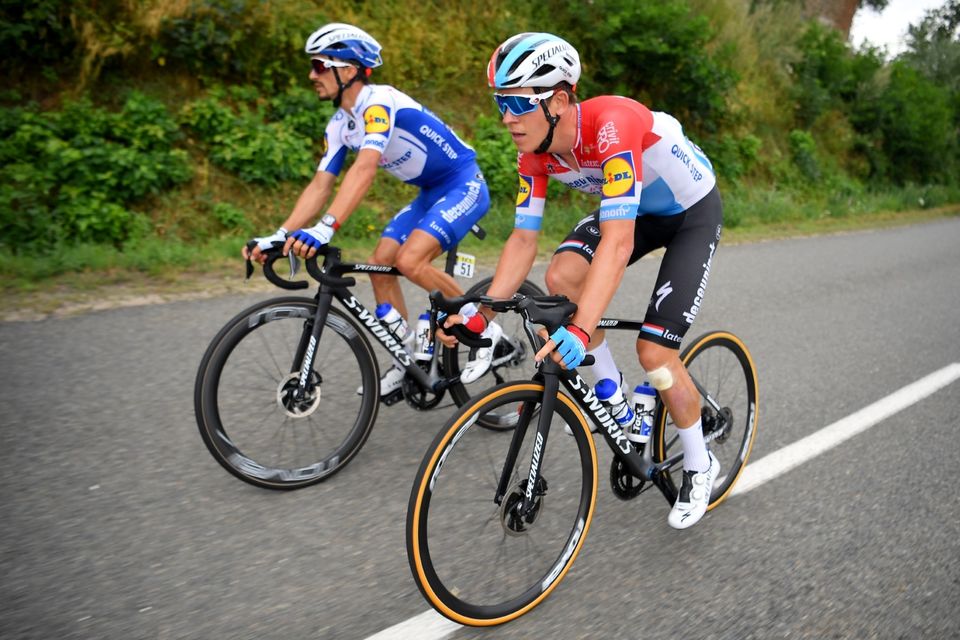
x=392 y=398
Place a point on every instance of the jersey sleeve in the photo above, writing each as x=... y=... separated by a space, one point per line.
x=532 y=194
x=378 y=123
x=334 y=150
x=620 y=139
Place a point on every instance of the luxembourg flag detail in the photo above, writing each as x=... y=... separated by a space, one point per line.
x=571 y=244
x=653 y=329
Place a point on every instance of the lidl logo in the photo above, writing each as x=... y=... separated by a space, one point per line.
x=526 y=188
x=325 y=145
x=618 y=175
x=376 y=119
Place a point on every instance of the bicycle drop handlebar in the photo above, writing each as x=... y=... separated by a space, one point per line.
x=276 y=252
x=549 y=311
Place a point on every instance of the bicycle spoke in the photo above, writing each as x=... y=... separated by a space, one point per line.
x=508 y=555
x=281 y=440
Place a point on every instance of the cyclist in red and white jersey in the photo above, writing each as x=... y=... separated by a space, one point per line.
x=656 y=188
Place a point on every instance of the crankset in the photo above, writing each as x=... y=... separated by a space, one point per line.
x=418 y=397
x=624 y=484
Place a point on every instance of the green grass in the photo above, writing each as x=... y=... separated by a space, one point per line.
x=170 y=271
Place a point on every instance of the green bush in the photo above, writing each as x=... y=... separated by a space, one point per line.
x=222 y=40
x=652 y=50
x=241 y=141
x=299 y=109
x=232 y=218
x=732 y=156
x=919 y=136
x=804 y=151
x=69 y=176
x=497 y=157
x=38 y=32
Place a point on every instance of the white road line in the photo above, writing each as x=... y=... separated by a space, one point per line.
x=793 y=455
x=430 y=625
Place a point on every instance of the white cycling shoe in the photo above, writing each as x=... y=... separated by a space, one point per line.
x=484 y=357
x=694 y=496
x=389 y=381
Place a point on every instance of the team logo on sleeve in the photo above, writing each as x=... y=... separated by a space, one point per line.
x=526 y=189
x=619 y=177
x=325 y=145
x=376 y=119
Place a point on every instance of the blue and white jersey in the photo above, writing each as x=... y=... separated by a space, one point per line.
x=415 y=145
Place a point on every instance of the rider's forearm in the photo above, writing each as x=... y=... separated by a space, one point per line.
x=516 y=260
x=309 y=204
x=603 y=278
x=356 y=183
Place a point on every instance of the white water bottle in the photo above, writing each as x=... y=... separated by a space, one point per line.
x=645 y=401
x=422 y=341
x=392 y=319
x=610 y=394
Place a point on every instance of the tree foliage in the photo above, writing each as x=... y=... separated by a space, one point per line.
x=772 y=99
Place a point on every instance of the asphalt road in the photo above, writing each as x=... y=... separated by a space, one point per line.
x=116 y=523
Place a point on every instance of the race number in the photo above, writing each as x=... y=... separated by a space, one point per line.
x=465 y=265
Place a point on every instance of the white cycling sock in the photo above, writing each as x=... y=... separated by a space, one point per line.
x=695 y=457
x=604 y=367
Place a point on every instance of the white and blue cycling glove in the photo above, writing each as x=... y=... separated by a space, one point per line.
x=265 y=243
x=315 y=237
x=571 y=344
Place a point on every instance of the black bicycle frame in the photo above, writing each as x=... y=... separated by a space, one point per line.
x=334 y=285
x=552 y=375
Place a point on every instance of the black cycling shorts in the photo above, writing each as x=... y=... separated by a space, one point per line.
x=690 y=239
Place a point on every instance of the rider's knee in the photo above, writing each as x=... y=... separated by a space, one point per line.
x=660 y=363
x=408 y=263
x=565 y=276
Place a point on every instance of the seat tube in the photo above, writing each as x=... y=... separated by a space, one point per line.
x=451 y=261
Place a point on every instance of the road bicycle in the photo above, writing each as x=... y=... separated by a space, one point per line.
x=494 y=522
x=289 y=389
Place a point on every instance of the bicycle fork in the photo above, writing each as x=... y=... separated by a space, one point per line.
x=307 y=348
x=535 y=485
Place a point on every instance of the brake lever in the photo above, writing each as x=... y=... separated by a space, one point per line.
x=294 y=265
x=250 y=245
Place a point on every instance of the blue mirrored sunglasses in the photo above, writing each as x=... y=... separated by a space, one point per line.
x=520 y=104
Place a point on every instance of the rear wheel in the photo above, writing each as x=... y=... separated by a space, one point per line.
x=512 y=357
x=721 y=364
x=248 y=410
x=481 y=563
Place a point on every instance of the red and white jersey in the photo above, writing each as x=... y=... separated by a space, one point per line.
x=638 y=161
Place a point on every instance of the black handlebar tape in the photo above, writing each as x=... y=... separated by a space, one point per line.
x=268 y=272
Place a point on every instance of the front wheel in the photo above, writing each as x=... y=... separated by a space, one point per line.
x=250 y=414
x=478 y=560
x=720 y=363
x=512 y=357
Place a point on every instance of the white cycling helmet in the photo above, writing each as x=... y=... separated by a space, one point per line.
x=341 y=41
x=533 y=60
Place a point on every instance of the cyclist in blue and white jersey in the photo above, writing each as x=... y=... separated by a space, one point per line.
x=390 y=130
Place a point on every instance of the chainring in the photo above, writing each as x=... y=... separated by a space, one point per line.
x=418 y=397
x=624 y=484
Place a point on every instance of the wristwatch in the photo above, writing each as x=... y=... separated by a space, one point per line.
x=330 y=221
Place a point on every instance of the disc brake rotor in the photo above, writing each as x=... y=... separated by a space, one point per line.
x=305 y=406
